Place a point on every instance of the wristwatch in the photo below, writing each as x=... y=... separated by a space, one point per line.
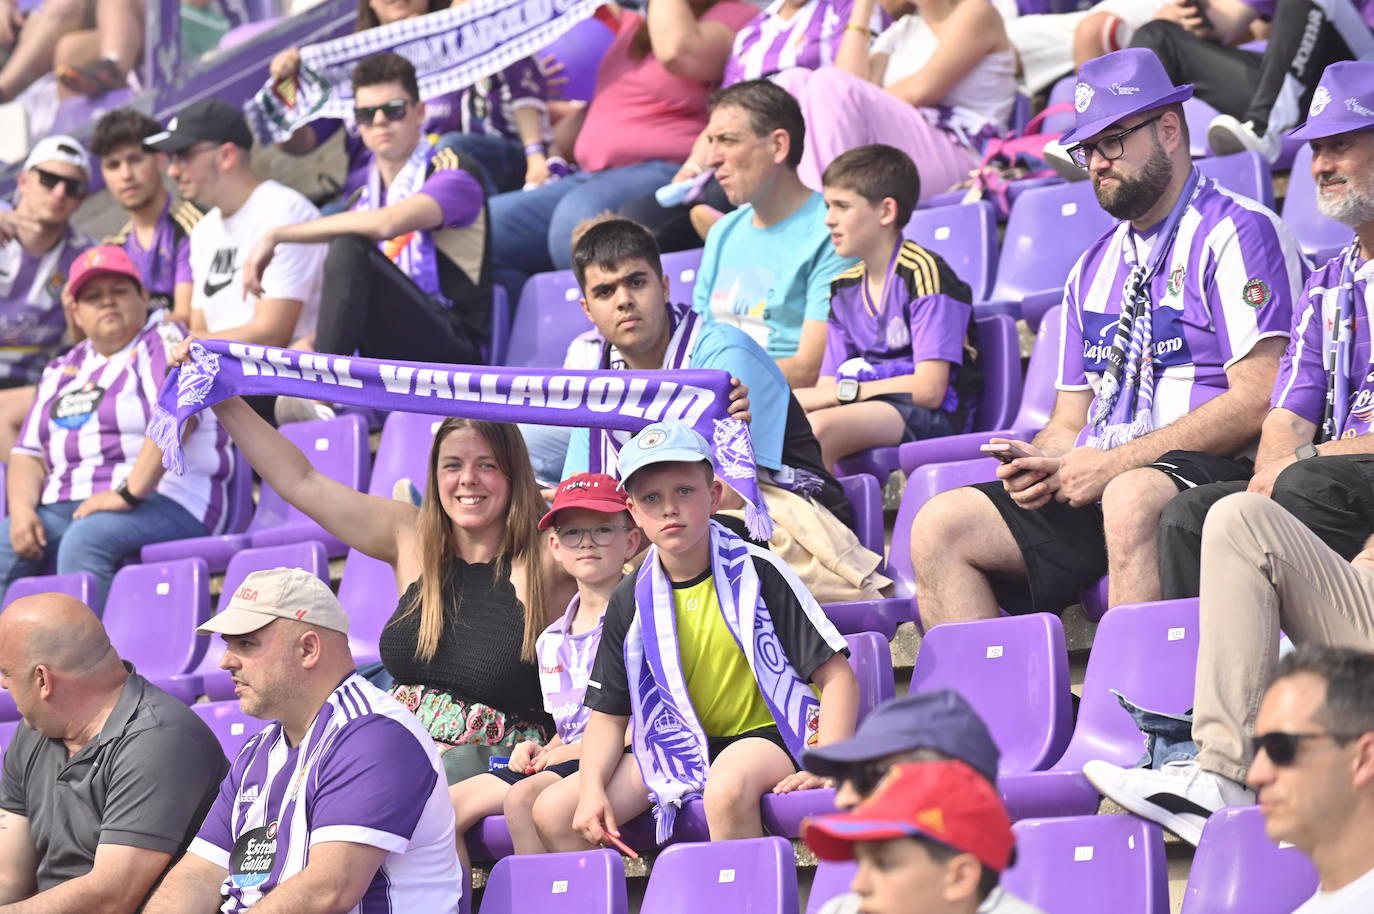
x=847 y=391
x=130 y=499
x=1305 y=451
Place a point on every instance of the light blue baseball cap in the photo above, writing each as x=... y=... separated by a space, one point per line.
x=662 y=442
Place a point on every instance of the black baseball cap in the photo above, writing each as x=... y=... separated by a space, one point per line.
x=206 y=121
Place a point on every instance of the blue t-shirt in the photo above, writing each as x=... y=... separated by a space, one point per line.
x=766 y=281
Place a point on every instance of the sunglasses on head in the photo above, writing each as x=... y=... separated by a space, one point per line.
x=394 y=110
x=75 y=186
x=1282 y=748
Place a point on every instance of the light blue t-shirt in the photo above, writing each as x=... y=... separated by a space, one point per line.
x=729 y=349
x=766 y=281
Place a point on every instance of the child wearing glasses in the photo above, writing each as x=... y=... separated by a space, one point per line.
x=592 y=536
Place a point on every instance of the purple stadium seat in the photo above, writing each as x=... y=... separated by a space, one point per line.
x=336 y=447
x=871 y=660
x=1001 y=346
x=921 y=486
x=1090 y=864
x=866 y=497
x=965 y=235
x=1145 y=651
x=80 y=110
x=1014 y=671
x=1321 y=238
x=1037 y=401
x=580 y=50
x=7 y=729
x=1031 y=273
x=79 y=584
x=1094 y=600
x=1245 y=173
x=242 y=34
x=583 y=882
x=681 y=269
x=151 y=615
x=1061 y=93
x=1238 y=870
x=230 y=725
x=831 y=879
x=752 y=875
x=500 y=326
x=1199 y=115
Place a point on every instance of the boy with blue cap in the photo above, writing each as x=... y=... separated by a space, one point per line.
x=716 y=650
x=1170 y=335
x=1299 y=560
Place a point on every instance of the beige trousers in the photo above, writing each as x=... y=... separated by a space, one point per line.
x=1263 y=571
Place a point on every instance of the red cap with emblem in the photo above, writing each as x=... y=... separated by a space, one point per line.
x=106 y=260
x=594 y=491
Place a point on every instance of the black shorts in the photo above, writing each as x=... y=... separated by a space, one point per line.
x=562 y=769
x=921 y=423
x=1063 y=547
x=715 y=745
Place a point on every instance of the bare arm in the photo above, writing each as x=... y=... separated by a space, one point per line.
x=684 y=45
x=839 y=700
x=18 y=859
x=1230 y=19
x=1283 y=433
x=192 y=887
x=529 y=123
x=24 y=481
x=143 y=479
x=117 y=883
x=565 y=132
x=333 y=882
x=181 y=303
x=1066 y=421
x=853 y=55
x=273 y=323
x=603 y=744
x=972 y=31
x=804 y=366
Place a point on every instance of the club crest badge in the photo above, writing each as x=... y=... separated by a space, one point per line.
x=1257 y=293
x=1320 y=99
x=734 y=451
x=1082 y=97
x=197 y=376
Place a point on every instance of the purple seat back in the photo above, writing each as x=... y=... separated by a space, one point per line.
x=230 y=725
x=1014 y=671
x=1245 y=173
x=242 y=34
x=580 y=50
x=1199 y=115
x=831 y=879
x=1061 y=93
x=239 y=510
x=1238 y=870
x=500 y=326
x=751 y=875
x=1090 y=864
x=681 y=269
x=1066 y=213
x=4 y=501
x=152 y=613
x=921 y=486
x=866 y=497
x=336 y=447
x=75 y=112
x=1317 y=235
x=965 y=235
x=582 y=882
x=1147 y=652
x=870 y=658
x=1038 y=391
x=79 y=584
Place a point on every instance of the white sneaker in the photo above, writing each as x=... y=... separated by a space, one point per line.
x=1056 y=156
x=1181 y=796
x=1226 y=135
x=299 y=409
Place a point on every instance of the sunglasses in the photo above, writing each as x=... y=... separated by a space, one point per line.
x=394 y=111
x=75 y=186
x=1110 y=148
x=1282 y=748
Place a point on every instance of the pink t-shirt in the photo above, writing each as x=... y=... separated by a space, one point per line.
x=639 y=111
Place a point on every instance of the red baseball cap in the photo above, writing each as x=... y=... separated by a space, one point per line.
x=948 y=802
x=106 y=260
x=594 y=491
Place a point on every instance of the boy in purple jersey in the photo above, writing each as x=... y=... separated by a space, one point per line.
x=592 y=536
x=157 y=236
x=899 y=361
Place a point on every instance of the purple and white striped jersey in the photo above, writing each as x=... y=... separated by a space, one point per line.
x=809 y=39
x=1231 y=280
x=31 y=318
x=1302 y=380
x=89 y=419
x=366 y=773
x=488 y=106
x=565 y=664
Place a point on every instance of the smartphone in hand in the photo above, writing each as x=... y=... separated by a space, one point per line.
x=1004 y=452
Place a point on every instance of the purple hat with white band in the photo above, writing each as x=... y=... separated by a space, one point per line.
x=1343 y=101
x=1114 y=86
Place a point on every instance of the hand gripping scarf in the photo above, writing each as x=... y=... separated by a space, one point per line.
x=668 y=741
x=625 y=400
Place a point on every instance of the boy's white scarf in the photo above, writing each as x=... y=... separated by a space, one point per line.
x=668 y=740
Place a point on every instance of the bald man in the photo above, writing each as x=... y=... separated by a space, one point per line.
x=108 y=782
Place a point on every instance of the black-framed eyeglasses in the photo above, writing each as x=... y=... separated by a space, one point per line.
x=75 y=187
x=1282 y=748
x=394 y=111
x=1110 y=148
x=574 y=537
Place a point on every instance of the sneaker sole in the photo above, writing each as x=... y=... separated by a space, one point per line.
x=1223 y=142
x=1146 y=810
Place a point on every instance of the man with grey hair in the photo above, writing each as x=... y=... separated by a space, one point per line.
x=108 y=781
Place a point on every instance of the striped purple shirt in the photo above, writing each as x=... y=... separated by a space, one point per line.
x=366 y=773
x=31 y=318
x=90 y=414
x=809 y=39
x=167 y=261
x=488 y=106
x=1231 y=279
x=565 y=664
x=1302 y=380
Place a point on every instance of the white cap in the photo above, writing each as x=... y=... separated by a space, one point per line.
x=59 y=148
x=282 y=593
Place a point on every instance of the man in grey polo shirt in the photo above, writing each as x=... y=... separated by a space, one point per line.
x=108 y=782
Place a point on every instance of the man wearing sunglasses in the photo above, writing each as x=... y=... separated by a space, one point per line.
x=1171 y=331
x=407 y=275
x=38 y=246
x=923 y=727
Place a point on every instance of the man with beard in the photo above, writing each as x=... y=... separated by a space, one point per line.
x=1295 y=553
x=157 y=236
x=1171 y=331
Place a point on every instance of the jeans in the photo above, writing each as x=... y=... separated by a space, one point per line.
x=98 y=542
x=672 y=226
x=502 y=159
x=532 y=229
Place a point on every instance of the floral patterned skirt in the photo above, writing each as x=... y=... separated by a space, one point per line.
x=453 y=722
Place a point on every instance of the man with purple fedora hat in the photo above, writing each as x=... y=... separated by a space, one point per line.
x=1295 y=552
x=1171 y=331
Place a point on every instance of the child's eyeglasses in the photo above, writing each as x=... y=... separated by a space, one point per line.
x=574 y=537
x=394 y=111
x=75 y=186
x=1282 y=748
